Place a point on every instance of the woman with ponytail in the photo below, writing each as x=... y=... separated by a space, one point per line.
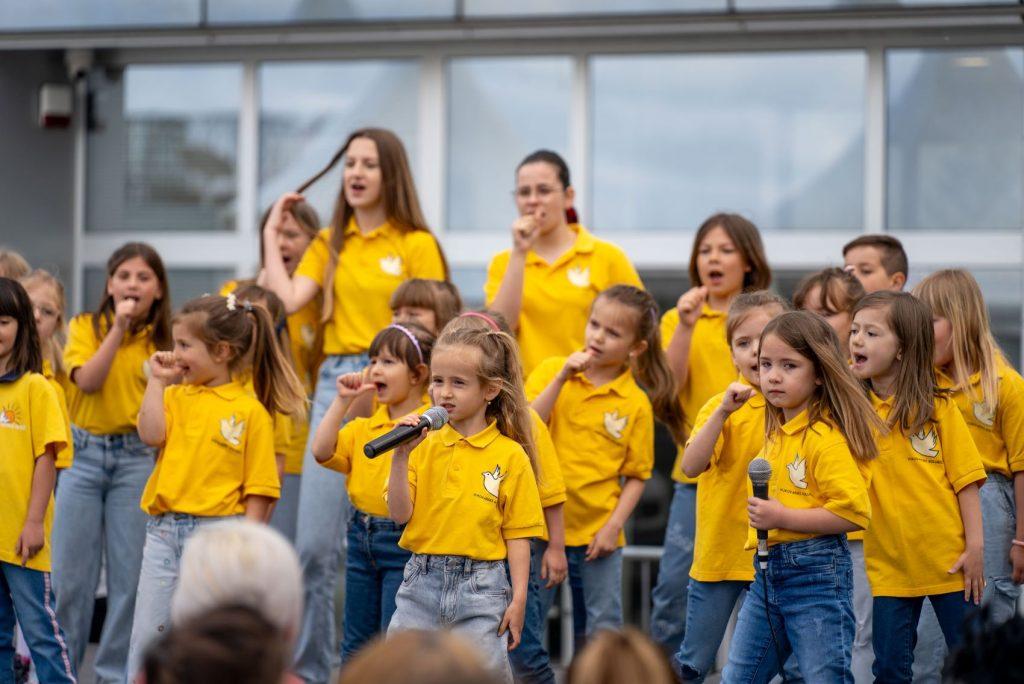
x=377 y=239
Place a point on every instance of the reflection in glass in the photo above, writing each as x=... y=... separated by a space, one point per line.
x=84 y=14
x=285 y=11
x=308 y=110
x=753 y=5
x=777 y=137
x=159 y=160
x=500 y=111
x=955 y=139
x=499 y=8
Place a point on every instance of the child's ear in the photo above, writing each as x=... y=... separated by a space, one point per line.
x=898 y=280
x=492 y=392
x=221 y=352
x=420 y=373
x=638 y=349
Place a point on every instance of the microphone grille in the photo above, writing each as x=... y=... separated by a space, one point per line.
x=759 y=470
x=437 y=416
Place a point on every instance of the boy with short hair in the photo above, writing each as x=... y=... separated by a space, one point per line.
x=878 y=262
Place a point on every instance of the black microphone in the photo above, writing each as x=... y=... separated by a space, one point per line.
x=433 y=418
x=760 y=472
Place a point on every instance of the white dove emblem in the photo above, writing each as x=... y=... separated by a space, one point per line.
x=798 y=472
x=231 y=430
x=492 y=480
x=580 y=277
x=985 y=416
x=391 y=264
x=615 y=424
x=308 y=334
x=925 y=443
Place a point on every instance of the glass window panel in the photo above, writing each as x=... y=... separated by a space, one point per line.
x=83 y=14
x=185 y=283
x=285 y=11
x=470 y=281
x=500 y=111
x=955 y=148
x=499 y=8
x=777 y=137
x=308 y=110
x=754 y=5
x=163 y=149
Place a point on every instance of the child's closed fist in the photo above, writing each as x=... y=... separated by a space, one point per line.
x=163 y=366
x=735 y=396
x=577 y=363
x=690 y=304
x=353 y=384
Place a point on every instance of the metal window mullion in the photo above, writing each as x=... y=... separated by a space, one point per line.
x=579 y=151
x=874 y=142
x=432 y=139
x=247 y=230
x=79 y=192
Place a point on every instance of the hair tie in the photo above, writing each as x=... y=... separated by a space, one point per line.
x=232 y=302
x=476 y=314
x=412 y=338
x=247 y=305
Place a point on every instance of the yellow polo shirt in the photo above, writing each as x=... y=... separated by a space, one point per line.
x=470 y=495
x=114 y=409
x=913 y=486
x=812 y=467
x=367 y=477
x=218 y=450
x=999 y=435
x=722 y=523
x=557 y=296
x=602 y=434
x=290 y=432
x=30 y=420
x=66 y=454
x=370 y=268
x=710 y=372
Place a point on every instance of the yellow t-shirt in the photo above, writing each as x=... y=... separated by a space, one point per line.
x=114 y=409
x=30 y=420
x=219 y=449
x=812 y=467
x=66 y=454
x=367 y=477
x=602 y=434
x=470 y=495
x=916 y=533
x=370 y=268
x=290 y=432
x=722 y=523
x=557 y=296
x=710 y=371
x=999 y=435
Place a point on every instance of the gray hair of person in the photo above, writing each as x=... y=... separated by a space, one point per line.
x=245 y=563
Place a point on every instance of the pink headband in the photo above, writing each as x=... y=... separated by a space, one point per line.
x=412 y=338
x=476 y=314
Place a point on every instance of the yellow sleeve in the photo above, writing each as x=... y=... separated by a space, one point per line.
x=495 y=273
x=1011 y=417
x=621 y=269
x=260 y=469
x=282 y=433
x=521 y=512
x=82 y=342
x=542 y=376
x=341 y=459
x=550 y=483
x=424 y=256
x=960 y=456
x=46 y=420
x=313 y=264
x=841 y=484
x=170 y=404
x=669 y=323
x=66 y=455
x=703 y=416
x=639 y=461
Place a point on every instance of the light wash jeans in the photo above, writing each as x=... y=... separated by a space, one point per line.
x=602 y=588
x=161 y=565
x=319 y=537
x=708 y=609
x=863 y=655
x=999 y=521
x=668 y=613
x=468 y=597
x=930 y=651
x=29 y=594
x=810 y=601
x=97 y=517
x=286 y=512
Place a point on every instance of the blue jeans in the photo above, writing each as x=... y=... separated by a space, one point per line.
x=96 y=517
x=468 y=597
x=669 y=596
x=708 y=610
x=29 y=594
x=809 y=599
x=530 y=660
x=862 y=655
x=373 y=571
x=930 y=652
x=161 y=564
x=286 y=512
x=602 y=587
x=319 y=538
x=999 y=522
x=894 y=631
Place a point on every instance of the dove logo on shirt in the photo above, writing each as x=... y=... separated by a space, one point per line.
x=985 y=415
x=798 y=472
x=614 y=424
x=231 y=430
x=391 y=264
x=492 y=481
x=925 y=443
x=579 y=276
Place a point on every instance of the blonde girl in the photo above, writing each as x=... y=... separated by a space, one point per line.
x=468 y=497
x=97 y=517
x=397 y=375
x=820 y=430
x=600 y=404
x=216 y=439
x=728 y=431
x=990 y=395
x=727 y=258
x=928 y=469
